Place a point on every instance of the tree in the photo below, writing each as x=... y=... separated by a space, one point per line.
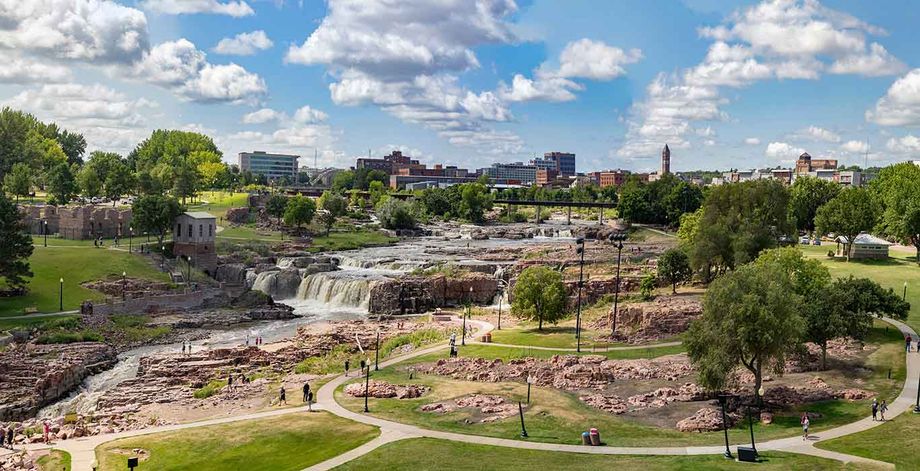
x=674 y=268
x=119 y=182
x=394 y=213
x=376 y=189
x=171 y=147
x=334 y=206
x=738 y=221
x=540 y=295
x=806 y=195
x=88 y=181
x=344 y=180
x=16 y=247
x=212 y=173
x=475 y=200
x=73 y=145
x=185 y=183
x=18 y=181
x=647 y=285
x=276 y=205
x=155 y=214
x=61 y=183
x=147 y=184
x=898 y=188
x=299 y=211
x=689 y=226
x=848 y=214
x=750 y=318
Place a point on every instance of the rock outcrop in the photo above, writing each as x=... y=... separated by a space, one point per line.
x=417 y=294
x=383 y=389
x=706 y=420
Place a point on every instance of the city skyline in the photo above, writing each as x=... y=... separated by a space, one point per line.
x=471 y=83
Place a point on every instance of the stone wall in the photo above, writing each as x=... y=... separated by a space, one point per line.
x=217 y=297
x=79 y=222
x=409 y=295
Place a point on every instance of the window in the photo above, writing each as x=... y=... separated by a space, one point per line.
x=178 y=230
x=200 y=231
x=189 y=231
x=210 y=230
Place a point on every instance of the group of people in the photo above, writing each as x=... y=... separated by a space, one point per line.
x=186 y=347
x=257 y=341
x=307 y=396
x=453 y=345
x=907 y=342
x=364 y=364
x=878 y=410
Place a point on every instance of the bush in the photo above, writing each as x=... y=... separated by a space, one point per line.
x=516 y=216
x=210 y=389
x=395 y=214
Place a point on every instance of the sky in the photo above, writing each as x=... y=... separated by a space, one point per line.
x=725 y=84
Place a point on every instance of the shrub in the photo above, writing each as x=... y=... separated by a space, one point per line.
x=395 y=214
x=210 y=389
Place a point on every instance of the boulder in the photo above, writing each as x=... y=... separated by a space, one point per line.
x=705 y=420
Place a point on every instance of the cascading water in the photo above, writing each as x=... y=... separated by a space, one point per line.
x=344 y=288
x=278 y=284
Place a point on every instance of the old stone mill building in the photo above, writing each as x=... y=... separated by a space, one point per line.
x=80 y=222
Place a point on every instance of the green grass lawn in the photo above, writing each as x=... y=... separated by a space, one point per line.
x=560 y=336
x=890 y=273
x=422 y=454
x=289 y=442
x=75 y=265
x=558 y=416
x=57 y=460
x=510 y=353
x=350 y=240
x=218 y=202
x=895 y=442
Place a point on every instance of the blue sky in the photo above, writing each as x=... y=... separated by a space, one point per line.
x=470 y=82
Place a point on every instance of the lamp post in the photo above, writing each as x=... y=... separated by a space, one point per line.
x=45 y=232
x=124 y=284
x=501 y=294
x=521 y=412
x=723 y=398
x=469 y=307
x=757 y=395
x=917 y=405
x=367 y=384
x=580 y=250
x=130 y=238
x=618 y=239
x=904 y=297
x=62 y=294
x=377 y=353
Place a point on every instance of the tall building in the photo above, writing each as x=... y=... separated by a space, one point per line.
x=564 y=162
x=806 y=164
x=665 y=161
x=270 y=165
x=391 y=164
x=518 y=172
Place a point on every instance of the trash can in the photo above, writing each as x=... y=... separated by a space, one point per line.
x=585 y=438
x=595 y=437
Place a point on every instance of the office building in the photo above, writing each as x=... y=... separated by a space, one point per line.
x=805 y=164
x=390 y=164
x=269 y=165
x=516 y=173
x=563 y=162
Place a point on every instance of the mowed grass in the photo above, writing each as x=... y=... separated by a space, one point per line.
x=288 y=442
x=75 y=265
x=56 y=460
x=423 y=454
x=557 y=416
x=892 y=273
x=895 y=442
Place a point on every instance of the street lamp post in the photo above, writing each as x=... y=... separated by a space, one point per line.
x=45 y=232
x=723 y=398
x=530 y=380
x=503 y=287
x=618 y=239
x=469 y=307
x=757 y=395
x=904 y=298
x=130 y=238
x=580 y=250
x=124 y=285
x=367 y=384
x=521 y=412
x=377 y=353
x=917 y=405
x=62 y=294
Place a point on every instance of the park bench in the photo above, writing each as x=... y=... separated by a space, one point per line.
x=31 y=310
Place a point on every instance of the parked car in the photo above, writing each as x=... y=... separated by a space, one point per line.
x=804 y=240
x=816 y=242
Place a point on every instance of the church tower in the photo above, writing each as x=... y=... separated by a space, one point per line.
x=665 y=160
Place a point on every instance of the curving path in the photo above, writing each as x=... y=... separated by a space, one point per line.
x=82 y=450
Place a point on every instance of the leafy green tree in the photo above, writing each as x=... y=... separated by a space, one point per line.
x=394 y=213
x=539 y=294
x=674 y=268
x=344 y=180
x=647 y=285
x=147 y=184
x=689 y=226
x=276 y=205
x=61 y=183
x=898 y=188
x=333 y=206
x=750 y=319
x=299 y=211
x=119 y=182
x=18 y=181
x=211 y=174
x=15 y=127
x=663 y=201
x=170 y=148
x=376 y=189
x=185 y=184
x=88 y=181
x=851 y=212
x=806 y=195
x=738 y=221
x=16 y=247
x=73 y=145
x=475 y=200
x=155 y=214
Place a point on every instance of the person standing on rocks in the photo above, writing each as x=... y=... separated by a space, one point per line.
x=230 y=382
x=46 y=432
x=9 y=435
x=874 y=409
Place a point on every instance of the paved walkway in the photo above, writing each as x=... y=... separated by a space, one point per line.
x=584 y=349
x=82 y=449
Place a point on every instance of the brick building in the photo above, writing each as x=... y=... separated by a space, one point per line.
x=193 y=239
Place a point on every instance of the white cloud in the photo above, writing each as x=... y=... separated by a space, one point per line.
x=244 y=44
x=550 y=89
x=901 y=104
x=28 y=70
x=98 y=31
x=183 y=68
x=261 y=116
x=908 y=144
x=876 y=62
x=820 y=134
x=752 y=141
x=595 y=60
x=783 y=151
x=307 y=115
x=238 y=8
x=404 y=57
x=855 y=147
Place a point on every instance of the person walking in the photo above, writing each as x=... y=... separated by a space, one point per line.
x=46 y=432
x=805 y=424
x=281 y=397
x=9 y=436
x=874 y=409
x=310 y=401
x=882 y=409
x=306 y=392
x=907 y=341
x=347 y=364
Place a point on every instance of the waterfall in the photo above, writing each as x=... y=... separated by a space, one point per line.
x=348 y=288
x=278 y=284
